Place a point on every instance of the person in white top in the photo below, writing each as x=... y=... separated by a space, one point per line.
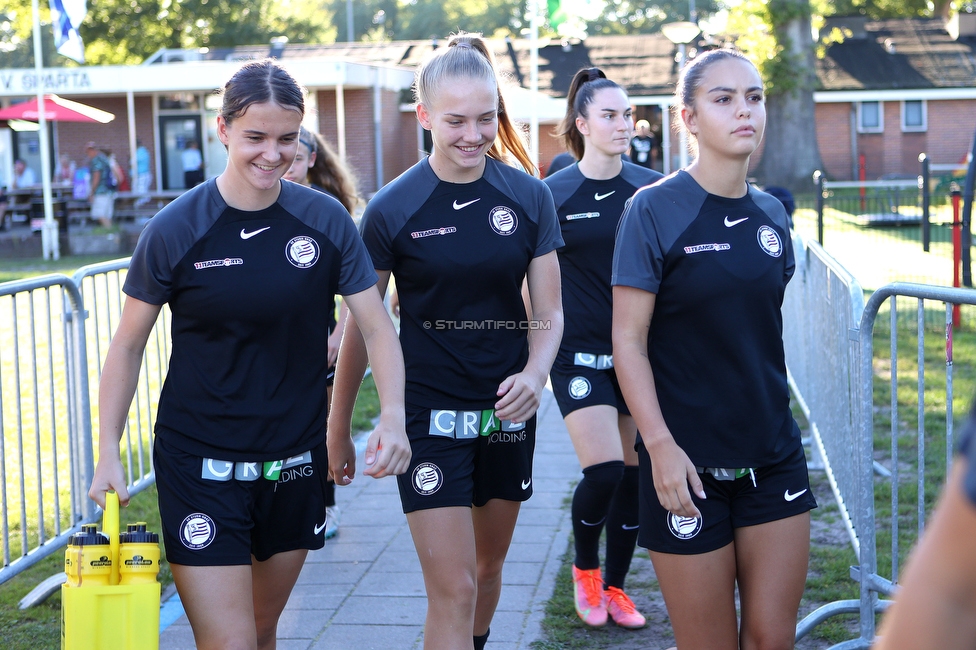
x=192 y=164
x=23 y=175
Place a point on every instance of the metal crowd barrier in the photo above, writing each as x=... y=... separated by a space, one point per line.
x=821 y=311
x=43 y=409
x=54 y=332
x=828 y=334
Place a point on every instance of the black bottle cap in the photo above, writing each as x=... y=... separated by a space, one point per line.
x=137 y=534
x=88 y=535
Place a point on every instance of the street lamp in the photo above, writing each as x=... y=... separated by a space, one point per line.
x=681 y=33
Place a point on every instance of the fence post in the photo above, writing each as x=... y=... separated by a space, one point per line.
x=967 y=217
x=956 y=195
x=818 y=180
x=80 y=431
x=926 y=201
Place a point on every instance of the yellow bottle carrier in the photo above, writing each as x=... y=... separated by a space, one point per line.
x=110 y=600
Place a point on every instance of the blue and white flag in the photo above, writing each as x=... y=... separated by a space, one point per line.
x=66 y=17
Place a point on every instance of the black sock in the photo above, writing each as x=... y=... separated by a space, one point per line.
x=591 y=502
x=622 y=528
x=480 y=641
x=329 y=493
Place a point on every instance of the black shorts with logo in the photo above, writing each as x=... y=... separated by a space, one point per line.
x=219 y=513
x=767 y=494
x=581 y=379
x=465 y=458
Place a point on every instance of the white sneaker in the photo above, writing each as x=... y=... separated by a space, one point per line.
x=331 y=521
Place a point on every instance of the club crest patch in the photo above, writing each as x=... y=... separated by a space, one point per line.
x=579 y=387
x=684 y=527
x=503 y=220
x=769 y=241
x=427 y=478
x=197 y=531
x=302 y=251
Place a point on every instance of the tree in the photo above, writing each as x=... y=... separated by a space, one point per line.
x=412 y=20
x=16 y=42
x=636 y=17
x=128 y=32
x=777 y=35
x=881 y=8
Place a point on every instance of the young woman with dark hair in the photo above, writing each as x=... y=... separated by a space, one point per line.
x=701 y=263
x=249 y=267
x=590 y=197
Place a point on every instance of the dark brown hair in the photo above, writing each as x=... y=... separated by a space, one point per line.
x=691 y=78
x=582 y=88
x=258 y=82
x=328 y=171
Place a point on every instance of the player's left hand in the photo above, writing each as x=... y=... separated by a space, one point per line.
x=520 y=396
x=342 y=454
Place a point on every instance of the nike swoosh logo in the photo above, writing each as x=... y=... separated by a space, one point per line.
x=248 y=235
x=729 y=224
x=626 y=527
x=586 y=523
x=318 y=529
x=458 y=206
x=526 y=484
x=600 y=197
x=791 y=497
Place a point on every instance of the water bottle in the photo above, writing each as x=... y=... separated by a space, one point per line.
x=138 y=555
x=88 y=558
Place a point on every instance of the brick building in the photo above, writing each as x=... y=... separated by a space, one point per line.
x=893 y=89
x=889 y=91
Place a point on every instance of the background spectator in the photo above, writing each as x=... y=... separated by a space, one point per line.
x=101 y=194
x=23 y=175
x=192 y=164
x=559 y=161
x=643 y=146
x=65 y=173
x=143 y=173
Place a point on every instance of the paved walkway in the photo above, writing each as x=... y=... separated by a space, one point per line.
x=365 y=590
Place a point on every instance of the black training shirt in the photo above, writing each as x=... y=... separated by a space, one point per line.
x=251 y=295
x=459 y=253
x=719 y=268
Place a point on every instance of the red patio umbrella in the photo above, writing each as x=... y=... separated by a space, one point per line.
x=56 y=109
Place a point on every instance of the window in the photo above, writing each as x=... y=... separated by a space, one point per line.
x=914 y=116
x=870 y=117
x=179 y=101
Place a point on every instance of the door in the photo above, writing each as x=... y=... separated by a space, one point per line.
x=27 y=147
x=175 y=131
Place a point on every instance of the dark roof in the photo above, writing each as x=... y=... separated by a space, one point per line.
x=644 y=64
x=898 y=54
x=905 y=53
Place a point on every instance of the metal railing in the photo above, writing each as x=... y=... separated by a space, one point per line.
x=828 y=334
x=898 y=228
x=821 y=311
x=41 y=346
x=54 y=332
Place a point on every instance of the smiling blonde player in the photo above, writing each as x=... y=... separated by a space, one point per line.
x=460 y=231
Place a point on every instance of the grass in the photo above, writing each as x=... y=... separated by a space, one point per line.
x=39 y=626
x=829 y=578
x=18 y=269
x=877 y=255
x=367 y=406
